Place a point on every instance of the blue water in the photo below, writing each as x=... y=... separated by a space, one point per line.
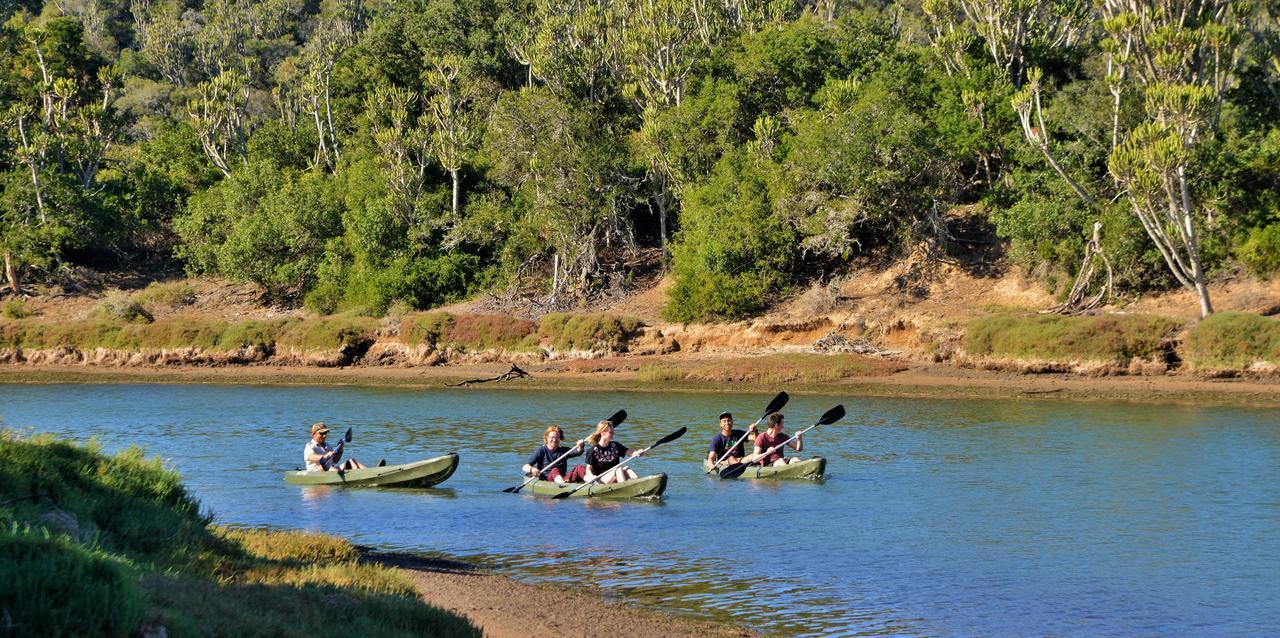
x=938 y=517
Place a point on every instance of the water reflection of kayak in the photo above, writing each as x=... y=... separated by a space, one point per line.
x=417 y=474
x=642 y=487
x=811 y=469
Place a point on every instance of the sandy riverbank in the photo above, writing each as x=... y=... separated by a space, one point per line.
x=914 y=380
x=506 y=608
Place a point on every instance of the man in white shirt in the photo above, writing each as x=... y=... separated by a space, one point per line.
x=320 y=457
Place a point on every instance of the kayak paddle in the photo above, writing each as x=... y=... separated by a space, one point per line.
x=617 y=418
x=666 y=439
x=831 y=416
x=774 y=405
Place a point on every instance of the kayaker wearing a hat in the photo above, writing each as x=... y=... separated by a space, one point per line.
x=727 y=436
x=320 y=457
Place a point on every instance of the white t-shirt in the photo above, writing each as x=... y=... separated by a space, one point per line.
x=316 y=448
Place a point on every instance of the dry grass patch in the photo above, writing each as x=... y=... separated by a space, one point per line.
x=594 y=332
x=1233 y=341
x=773 y=369
x=1109 y=339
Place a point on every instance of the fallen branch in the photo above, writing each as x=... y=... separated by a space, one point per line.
x=514 y=373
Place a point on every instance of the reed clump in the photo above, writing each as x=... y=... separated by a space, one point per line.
x=1110 y=339
x=114 y=545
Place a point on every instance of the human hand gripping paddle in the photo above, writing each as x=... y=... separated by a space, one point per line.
x=666 y=439
x=831 y=416
x=337 y=452
x=617 y=418
x=776 y=404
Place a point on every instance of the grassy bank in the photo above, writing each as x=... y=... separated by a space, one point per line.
x=1233 y=341
x=97 y=545
x=1107 y=339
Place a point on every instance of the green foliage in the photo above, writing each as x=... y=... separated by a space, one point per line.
x=1260 y=252
x=57 y=587
x=1116 y=339
x=174 y=293
x=440 y=330
x=14 y=308
x=601 y=332
x=1232 y=341
x=327 y=334
x=733 y=255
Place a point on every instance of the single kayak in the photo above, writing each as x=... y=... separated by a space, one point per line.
x=642 y=487
x=810 y=469
x=417 y=474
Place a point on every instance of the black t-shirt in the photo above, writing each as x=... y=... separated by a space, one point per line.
x=602 y=458
x=720 y=443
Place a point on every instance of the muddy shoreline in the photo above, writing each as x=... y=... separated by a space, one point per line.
x=507 y=608
x=912 y=381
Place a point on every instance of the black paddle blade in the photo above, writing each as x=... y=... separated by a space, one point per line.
x=832 y=415
x=566 y=494
x=618 y=417
x=776 y=404
x=347 y=437
x=733 y=471
x=670 y=437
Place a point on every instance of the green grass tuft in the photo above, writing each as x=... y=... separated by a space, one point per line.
x=1232 y=341
x=1116 y=339
x=14 y=308
x=174 y=293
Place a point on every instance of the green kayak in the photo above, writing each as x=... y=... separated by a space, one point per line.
x=811 y=469
x=417 y=474
x=642 y=487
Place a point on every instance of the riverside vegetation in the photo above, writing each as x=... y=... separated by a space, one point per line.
x=98 y=545
x=367 y=159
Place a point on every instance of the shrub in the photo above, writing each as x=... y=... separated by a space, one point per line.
x=14 y=308
x=441 y=330
x=175 y=293
x=1260 y=253
x=118 y=305
x=1106 y=338
x=566 y=331
x=1232 y=341
x=328 y=333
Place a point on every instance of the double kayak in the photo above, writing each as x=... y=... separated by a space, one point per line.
x=642 y=487
x=810 y=469
x=417 y=474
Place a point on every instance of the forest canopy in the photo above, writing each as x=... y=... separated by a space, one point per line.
x=351 y=154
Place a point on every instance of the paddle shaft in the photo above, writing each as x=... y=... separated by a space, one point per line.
x=784 y=443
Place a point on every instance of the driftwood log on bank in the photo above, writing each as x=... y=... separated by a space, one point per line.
x=514 y=373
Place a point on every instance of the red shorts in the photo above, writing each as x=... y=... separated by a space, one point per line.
x=577 y=474
x=552 y=474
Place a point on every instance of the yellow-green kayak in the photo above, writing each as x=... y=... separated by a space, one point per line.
x=641 y=487
x=417 y=474
x=810 y=469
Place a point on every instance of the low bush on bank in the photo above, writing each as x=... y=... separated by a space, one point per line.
x=565 y=331
x=327 y=333
x=97 y=545
x=119 y=306
x=1233 y=341
x=773 y=369
x=174 y=293
x=1115 y=339
x=441 y=330
x=310 y=335
x=14 y=308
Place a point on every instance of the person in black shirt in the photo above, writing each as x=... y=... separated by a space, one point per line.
x=550 y=457
x=727 y=436
x=603 y=457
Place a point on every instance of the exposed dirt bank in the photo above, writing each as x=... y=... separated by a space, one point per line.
x=506 y=608
x=915 y=380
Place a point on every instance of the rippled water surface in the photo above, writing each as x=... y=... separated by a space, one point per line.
x=953 y=518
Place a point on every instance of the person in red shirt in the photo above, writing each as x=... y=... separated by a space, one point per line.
x=769 y=448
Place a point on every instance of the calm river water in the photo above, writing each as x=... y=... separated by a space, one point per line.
x=950 y=518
